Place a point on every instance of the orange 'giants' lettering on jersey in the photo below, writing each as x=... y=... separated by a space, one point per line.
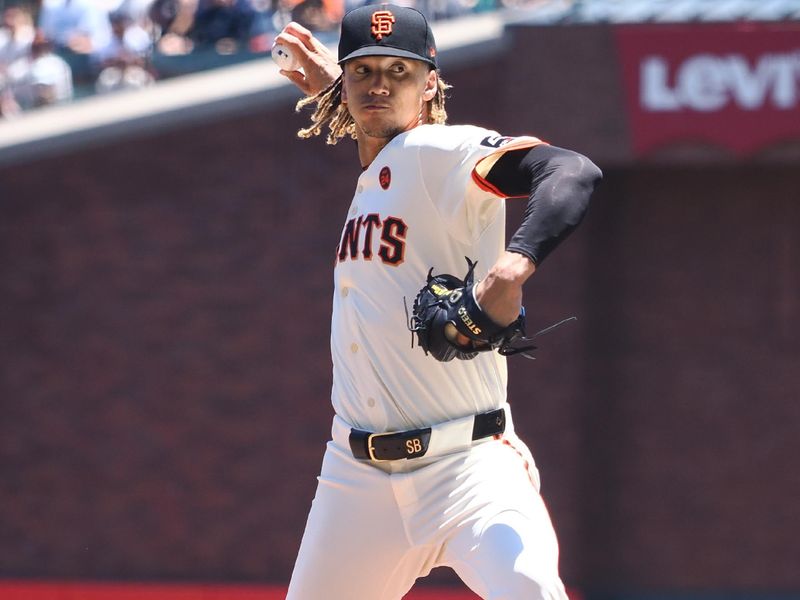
x=357 y=239
x=393 y=241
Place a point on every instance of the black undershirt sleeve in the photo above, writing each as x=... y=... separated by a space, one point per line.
x=558 y=184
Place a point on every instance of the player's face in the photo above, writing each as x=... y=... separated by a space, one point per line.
x=387 y=95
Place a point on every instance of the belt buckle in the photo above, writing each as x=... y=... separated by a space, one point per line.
x=371 y=449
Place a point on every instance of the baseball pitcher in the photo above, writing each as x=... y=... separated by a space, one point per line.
x=424 y=468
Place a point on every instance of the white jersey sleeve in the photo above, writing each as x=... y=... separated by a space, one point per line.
x=450 y=160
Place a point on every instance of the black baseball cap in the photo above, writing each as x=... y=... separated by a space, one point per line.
x=387 y=30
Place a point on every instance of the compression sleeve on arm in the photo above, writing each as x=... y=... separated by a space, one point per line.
x=558 y=184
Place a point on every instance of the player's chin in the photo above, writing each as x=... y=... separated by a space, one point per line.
x=381 y=130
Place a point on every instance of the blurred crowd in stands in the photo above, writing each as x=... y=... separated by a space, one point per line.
x=54 y=50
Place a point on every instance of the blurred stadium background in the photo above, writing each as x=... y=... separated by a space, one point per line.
x=165 y=252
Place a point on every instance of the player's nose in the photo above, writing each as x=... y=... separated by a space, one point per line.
x=378 y=84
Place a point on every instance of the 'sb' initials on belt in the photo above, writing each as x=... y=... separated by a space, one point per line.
x=413 y=446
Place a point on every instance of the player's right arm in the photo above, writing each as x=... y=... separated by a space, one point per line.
x=320 y=68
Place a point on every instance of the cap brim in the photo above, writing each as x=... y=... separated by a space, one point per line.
x=386 y=51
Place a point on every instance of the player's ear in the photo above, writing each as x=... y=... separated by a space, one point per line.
x=344 y=92
x=431 y=86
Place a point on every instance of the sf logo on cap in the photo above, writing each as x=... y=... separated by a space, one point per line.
x=382 y=24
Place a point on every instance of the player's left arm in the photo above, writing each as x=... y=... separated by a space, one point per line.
x=558 y=184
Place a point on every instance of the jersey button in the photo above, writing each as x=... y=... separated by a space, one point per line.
x=353 y=347
x=371 y=402
x=360 y=188
x=345 y=291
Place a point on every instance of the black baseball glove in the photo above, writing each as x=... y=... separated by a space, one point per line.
x=446 y=306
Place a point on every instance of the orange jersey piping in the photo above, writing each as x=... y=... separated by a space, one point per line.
x=483 y=184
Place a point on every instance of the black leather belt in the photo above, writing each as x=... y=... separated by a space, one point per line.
x=414 y=443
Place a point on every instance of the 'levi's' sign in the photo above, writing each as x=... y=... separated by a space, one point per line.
x=706 y=82
x=724 y=84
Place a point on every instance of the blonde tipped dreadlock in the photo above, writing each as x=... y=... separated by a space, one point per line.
x=330 y=110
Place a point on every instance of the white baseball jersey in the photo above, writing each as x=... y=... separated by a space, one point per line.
x=374 y=528
x=420 y=204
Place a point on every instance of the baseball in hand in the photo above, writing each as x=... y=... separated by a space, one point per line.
x=284 y=58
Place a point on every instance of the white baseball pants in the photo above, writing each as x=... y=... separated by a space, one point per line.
x=375 y=528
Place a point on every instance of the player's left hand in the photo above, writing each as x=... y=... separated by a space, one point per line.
x=320 y=68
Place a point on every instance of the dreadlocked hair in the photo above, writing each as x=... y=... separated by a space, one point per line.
x=330 y=111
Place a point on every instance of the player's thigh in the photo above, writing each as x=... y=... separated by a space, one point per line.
x=511 y=557
x=508 y=549
x=354 y=543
